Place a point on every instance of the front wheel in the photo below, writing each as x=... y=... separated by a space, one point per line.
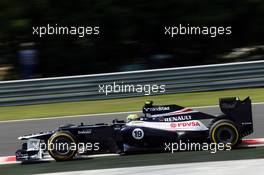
x=62 y=146
x=224 y=131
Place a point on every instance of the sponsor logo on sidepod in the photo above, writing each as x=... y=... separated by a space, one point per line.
x=86 y=131
x=178 y=118
x=185 y=124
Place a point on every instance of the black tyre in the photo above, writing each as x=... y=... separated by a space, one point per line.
x=62 y=146
x=224 y=131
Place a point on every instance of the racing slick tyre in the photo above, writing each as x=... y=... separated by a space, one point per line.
x=224 y=131
x=60 y=146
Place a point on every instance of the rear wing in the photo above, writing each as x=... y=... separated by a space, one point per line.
x=240 y=112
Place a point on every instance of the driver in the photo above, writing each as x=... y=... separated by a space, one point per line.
x=132 y=117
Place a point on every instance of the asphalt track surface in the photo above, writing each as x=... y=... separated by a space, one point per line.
x=238 y=167
x=142 y=160
x=10 y=131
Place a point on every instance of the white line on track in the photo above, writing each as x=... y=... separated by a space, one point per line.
x=69 y=116
x=99 y=114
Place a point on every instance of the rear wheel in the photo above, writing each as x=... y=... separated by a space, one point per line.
x=224 y=131
x=62 y=146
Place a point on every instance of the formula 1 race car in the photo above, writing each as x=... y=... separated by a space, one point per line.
x=158 y=124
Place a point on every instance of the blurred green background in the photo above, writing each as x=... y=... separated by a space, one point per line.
x=125 y=104
x=131 y=35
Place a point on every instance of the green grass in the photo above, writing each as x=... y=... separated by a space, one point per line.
x=125 y=104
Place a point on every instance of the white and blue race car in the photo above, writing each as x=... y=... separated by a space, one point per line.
x=158 y=125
